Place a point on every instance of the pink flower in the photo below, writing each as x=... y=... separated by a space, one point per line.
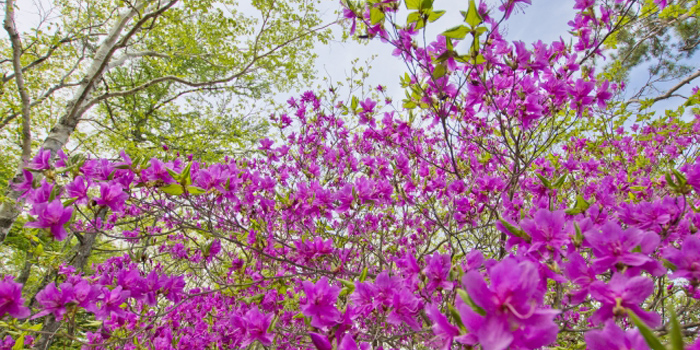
x=256 y=324
x=52 y=216
x=320 y=303
x=11 y=301
x=41 y=161
x=620 y=294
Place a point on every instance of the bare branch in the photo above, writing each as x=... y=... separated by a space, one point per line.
x=39 y=60
x=671 y=92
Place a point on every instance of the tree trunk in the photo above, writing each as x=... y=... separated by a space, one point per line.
x=61 y=132
x=81 y=258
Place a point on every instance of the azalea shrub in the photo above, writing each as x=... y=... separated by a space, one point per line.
x=501 y=205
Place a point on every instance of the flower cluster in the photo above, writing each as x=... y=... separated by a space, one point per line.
x=475 y=220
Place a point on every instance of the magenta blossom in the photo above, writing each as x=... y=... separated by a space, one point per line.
x=437 y=269
x=349 y=343
x=27 y=184
x=320 y=341
x=320 y=303
x=512 y=307
x=444 y=331
x=112 y=196
x=78 y=190
x=11 y=301
x=612 y=245
x=612 y=337
x=54 y=300
x=257 y=325
x=111 y=302
x=686 y=260
x=405 y=309
x=579 y=273
x=52 y=216
x=42 y=160
x=623 y=293
x=549 y=231
x=509 y=5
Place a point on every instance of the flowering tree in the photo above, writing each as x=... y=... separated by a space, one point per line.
x=498 y=208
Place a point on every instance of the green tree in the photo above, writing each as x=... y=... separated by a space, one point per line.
x=662 y=41
x=129 y=74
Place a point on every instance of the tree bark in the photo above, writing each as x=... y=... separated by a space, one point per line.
x=16 y=42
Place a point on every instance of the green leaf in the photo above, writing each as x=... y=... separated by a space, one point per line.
x=474 y=49
x=353 y=103
x=185 y=178
x=544 y=180
x=463 y=58
x=560 y=181
x=195 y=190
x=675 y=332
x=458 y=32
x=55 y=191
x=363 y=275
x=681 y=178
x=473 y=18
x=669 y=181
x=479 y=59
x=480 y=30
x=172 y=173
x=174 y=189
x=413 y=4
x=19 y=342
x=456 y=317
x=435 y=15
x=426 y=4
x=376 y=15
x=450 y=47
x=78 y=159
x=649 y=336
x=273 y=324
x=444 y=57
x=254 y=299
x=347 y=284
x=89 y=324
x=468 y=300
x=439 y=71
x=413 y=17
x=581 y=206
x=484 y=158
x=578 y=238
x=669 y=265
x=515 y=231
x=646 y=103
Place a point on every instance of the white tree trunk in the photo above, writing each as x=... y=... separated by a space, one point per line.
x=61 y=132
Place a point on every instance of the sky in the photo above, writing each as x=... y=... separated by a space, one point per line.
x=545 y=20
